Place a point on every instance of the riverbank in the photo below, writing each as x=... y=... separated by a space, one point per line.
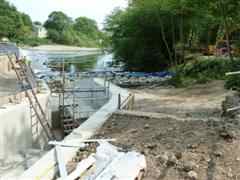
x=62 y=48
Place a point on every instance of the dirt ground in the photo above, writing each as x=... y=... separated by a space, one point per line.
x=205 y=147
x=199 y=101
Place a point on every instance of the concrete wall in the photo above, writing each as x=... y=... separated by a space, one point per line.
x=4 y=64
x=9 y=88
x=16 y=130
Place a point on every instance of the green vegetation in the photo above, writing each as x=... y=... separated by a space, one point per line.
x=33 y=41
x=141 y=38
x=152 y=35
x=204 y=70
x=13 y=24
x=18 y=27
x=201 y=71
x=81 y=32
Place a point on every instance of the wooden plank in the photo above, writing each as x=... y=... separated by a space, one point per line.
x=80 y=143
x=61 y=164
x=233 y=109
x=232 y=73
x=82 y=167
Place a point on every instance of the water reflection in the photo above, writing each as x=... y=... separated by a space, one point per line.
x=74 y=61
x=77 y=63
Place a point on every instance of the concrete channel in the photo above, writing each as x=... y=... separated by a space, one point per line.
x=46 y=167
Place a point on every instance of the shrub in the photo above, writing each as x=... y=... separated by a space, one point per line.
x=33 y=41
x=233 y=82
x=204 y=70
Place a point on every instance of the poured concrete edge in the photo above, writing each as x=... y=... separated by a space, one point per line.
x=46 y=167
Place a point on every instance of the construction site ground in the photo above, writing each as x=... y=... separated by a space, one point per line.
x=181 y=133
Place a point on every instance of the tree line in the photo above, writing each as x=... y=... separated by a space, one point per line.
x=152 y=35
x=64 y=30
x=18 y=27
x=13 y=24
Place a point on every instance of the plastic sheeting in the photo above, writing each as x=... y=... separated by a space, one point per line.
x=114 y=165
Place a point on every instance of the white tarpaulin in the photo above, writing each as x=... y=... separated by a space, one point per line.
x=110 y=164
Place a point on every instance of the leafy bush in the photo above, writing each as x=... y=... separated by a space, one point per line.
x=176 y=81
x=33 y=41
x=233 y=82
x=204 y=70
x=211 y=68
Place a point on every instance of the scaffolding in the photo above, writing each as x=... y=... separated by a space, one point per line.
x=76 y=103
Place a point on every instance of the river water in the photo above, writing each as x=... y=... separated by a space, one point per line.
x=74 y=61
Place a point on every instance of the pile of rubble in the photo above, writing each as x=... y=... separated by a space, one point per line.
x=179 y=149
x=131 y=81
x=231 y=106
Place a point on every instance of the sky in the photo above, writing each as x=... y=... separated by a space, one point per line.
x=94 y=9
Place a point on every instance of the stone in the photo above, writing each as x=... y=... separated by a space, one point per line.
x=163 y=158
x=178 y=155
x=114 y=123
x=151 y=146
x=172 y=160
x=227 y=135
x=218 y=153
x=133 y=131
x=205 y=158
x=109 y=126
x=189 y=166
x=194 y=146
x=229 y=174
x=169 y=146
x=192 y=175
x=147 y=126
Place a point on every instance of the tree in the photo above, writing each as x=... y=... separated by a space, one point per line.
x=86 y=26
x=141 y=37
x=13 y=24
x=228 y=15
x=58 y=20
x=59 y=27
x=62 y=29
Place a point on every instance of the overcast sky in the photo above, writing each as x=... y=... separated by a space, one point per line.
x=95 y=9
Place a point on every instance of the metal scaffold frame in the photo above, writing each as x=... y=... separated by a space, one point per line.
x=70 y=97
